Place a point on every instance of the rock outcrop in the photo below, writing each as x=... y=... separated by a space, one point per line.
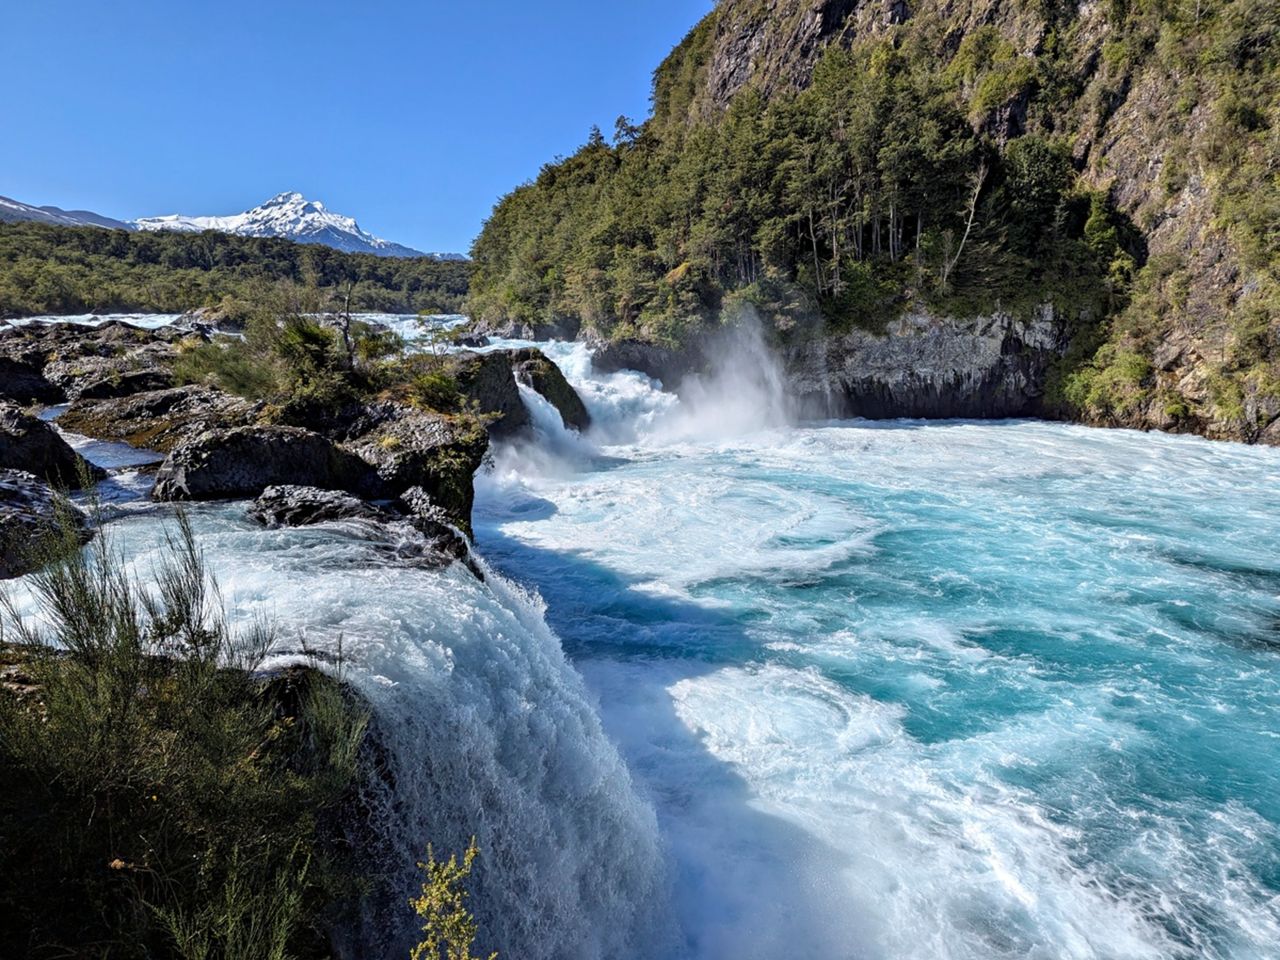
x=28 y=443
x=929 y=367
x=668 y=365
x=301 y=506
x=561 y=328
x=31 y=515
x=159 y=419
x=435 y=453
x=25 y=383
x=52 y=362
x=241 y=462
x=487 y=380
x=409 y=529
x=534 y=370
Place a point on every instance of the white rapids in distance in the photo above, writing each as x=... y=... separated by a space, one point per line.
x=848 y=690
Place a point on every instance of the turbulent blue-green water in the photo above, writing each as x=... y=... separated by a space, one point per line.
x=962 y=690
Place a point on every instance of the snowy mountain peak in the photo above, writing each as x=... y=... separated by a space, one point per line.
x=292 y=216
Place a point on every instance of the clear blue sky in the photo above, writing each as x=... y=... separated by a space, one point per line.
x=413 y=117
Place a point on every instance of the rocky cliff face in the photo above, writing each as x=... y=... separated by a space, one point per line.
x=1171 y=113
x=930 y=367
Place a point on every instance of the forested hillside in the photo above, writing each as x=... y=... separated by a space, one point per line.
x=838 y=163
x=67 y=270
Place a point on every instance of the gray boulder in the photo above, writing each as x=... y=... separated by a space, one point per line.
x=666 y=364
x=557 y=328
x=487 y=380
x=437 y=453
x=243 y=461
x=24 y=383
x=31 y=518
x=28 y=443
x=124 y=384
x=298 y=506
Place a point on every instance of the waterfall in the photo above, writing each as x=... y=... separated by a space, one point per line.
x=482 y=728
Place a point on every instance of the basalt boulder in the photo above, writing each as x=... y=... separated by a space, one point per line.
x=112 y=359
x=559 y=328
x=24 y=383
x=125 y=383
x=96 y=377
x=159 y=419
x=32 y=519
x=409 y=529
x=534 y=370
x=301 y=506
x=488 y=381
x=668 y=365
x=28 y=443
x=241 y=462
x=439 y=454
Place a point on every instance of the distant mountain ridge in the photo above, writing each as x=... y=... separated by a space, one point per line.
x=14 y=210
x=287 y=215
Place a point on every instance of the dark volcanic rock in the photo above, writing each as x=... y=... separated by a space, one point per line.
x=665 y=364
x=562 y=328
x=29 y=517
x=533 y=369
x=28 y=443
x=437 y=453
x=244 y=461
x=126 y=384
x=488 y=380
x=411 y=528
x=109 y=360
x=159 y=419
x=297 y=506
x=24 y=383
x=930 y=367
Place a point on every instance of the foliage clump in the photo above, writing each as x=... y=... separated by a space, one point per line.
x=296 y=353
x=449 y=929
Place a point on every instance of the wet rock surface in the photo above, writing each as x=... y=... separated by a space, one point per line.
x=561 y=328
x=30 y=512
x=488 y=381
x=25 y=383
x=439 y=454
x=533 y=369
x=28 y=443
x=410 y=528
x=929 y=367
x=53 y=362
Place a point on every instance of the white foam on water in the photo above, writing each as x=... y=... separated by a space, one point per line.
x=1017 y=784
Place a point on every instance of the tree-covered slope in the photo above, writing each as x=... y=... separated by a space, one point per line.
x=67 y=270
x=839 y=163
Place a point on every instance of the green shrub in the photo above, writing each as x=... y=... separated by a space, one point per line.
x=448 y=927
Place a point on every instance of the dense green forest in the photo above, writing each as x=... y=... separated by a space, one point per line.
x=963 y=159
x=857 y=192
x=68 y=270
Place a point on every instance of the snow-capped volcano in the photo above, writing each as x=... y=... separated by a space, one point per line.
x=294 y=217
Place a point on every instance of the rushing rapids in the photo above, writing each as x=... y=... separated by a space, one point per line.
x=738 y=687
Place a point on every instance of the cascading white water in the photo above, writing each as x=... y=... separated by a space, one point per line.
x=486 y=731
